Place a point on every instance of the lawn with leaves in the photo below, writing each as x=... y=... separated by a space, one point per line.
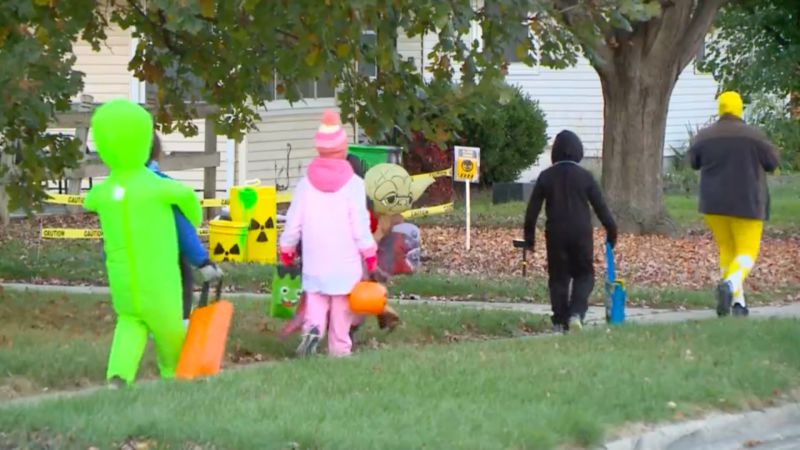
x=57 y=341
x=531 y=393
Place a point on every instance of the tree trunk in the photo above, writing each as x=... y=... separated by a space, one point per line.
x=638 y=69
x=634 y=127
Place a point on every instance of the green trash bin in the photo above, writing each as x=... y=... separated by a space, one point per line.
x=372 y=155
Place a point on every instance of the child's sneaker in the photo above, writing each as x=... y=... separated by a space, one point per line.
x=559 y=329
x=740 y=310
x=575 y=323
x=308 y=343
x=724 y=298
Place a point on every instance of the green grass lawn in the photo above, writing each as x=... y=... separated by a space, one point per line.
x=62 y=341
x=539 y=393
x=77 y=262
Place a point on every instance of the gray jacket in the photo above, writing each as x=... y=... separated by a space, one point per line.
x=733 y=159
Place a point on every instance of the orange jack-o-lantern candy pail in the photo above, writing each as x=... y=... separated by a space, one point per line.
x=368 y=297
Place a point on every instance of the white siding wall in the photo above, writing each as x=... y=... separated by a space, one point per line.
x=267 y=147
x=107 y=75
x=410 y=48
x=176 y=142
x=573 y=99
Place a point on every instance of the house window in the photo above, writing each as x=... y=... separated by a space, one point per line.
x=368 y=68
x=309 y=90
x=193 y=94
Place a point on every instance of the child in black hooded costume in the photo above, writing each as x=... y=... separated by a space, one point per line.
x=568 y=190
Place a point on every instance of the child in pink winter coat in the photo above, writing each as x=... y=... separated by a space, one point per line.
x=329 y=214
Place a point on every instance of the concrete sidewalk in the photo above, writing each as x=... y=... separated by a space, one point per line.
x=595 y=315
x=773 y=429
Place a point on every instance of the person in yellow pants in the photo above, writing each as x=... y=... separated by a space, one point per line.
x=733 y=159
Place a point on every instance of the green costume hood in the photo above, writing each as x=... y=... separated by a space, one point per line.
x=123 y=134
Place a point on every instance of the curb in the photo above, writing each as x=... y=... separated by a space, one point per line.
x=777 y=428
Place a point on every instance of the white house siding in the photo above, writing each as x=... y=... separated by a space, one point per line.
x=573 y=99
x=106 y=70
x=176 y=142
x=267 y=147
x=410 y=48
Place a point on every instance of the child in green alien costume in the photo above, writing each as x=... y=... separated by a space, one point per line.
x=140 y=241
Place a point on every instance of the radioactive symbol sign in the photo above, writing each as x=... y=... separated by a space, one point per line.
x=467 y=162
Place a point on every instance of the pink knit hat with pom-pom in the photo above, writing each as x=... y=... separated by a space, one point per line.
x=331 y=139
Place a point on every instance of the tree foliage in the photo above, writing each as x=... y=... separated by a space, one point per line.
x=755 y=47
x=237 y=50
x=511 y=135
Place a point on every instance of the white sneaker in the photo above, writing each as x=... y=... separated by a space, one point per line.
x=575 y=323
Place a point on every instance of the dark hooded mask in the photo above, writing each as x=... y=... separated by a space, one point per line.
x=567 y=147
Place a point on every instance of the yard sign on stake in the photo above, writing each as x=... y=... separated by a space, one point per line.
x=467 y=161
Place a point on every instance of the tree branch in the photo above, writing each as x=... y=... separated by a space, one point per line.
x=572 y=16
x=695 y=32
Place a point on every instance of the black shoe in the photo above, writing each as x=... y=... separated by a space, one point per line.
x=308 y=343
x=740 y=310
x=116 y=382
x=724 y=298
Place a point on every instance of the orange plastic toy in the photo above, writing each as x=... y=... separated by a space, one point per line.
x=368 y=298
x=205 y=341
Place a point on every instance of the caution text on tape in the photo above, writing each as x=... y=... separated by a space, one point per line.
x=437 y=174
x=71 y=233
x=429 y=211
x=63 y=199
x=214 y=202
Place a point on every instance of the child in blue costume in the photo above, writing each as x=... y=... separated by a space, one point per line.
x=192 y=251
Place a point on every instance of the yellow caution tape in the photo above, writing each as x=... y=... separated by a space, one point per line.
x=77 y=200
x=437 y=174
x=430 y=211
x=286 y=197
x=87 y=233
x=283 y=197
x=71 y=233
x=214 y=202
x=63 y=199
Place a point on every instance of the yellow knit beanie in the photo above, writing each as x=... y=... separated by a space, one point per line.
x=730 y=103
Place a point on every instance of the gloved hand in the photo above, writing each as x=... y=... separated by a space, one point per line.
x=287 y=258
x=372 y=263
x=210 y=272
x=611 y=236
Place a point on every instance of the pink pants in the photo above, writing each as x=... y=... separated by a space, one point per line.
x=318 y=307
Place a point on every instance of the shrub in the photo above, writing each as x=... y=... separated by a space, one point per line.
x=781 y=126
x=511 y=135
x=424 y=156
x=680 y=178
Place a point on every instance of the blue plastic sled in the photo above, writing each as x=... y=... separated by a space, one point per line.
x=615 y=291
